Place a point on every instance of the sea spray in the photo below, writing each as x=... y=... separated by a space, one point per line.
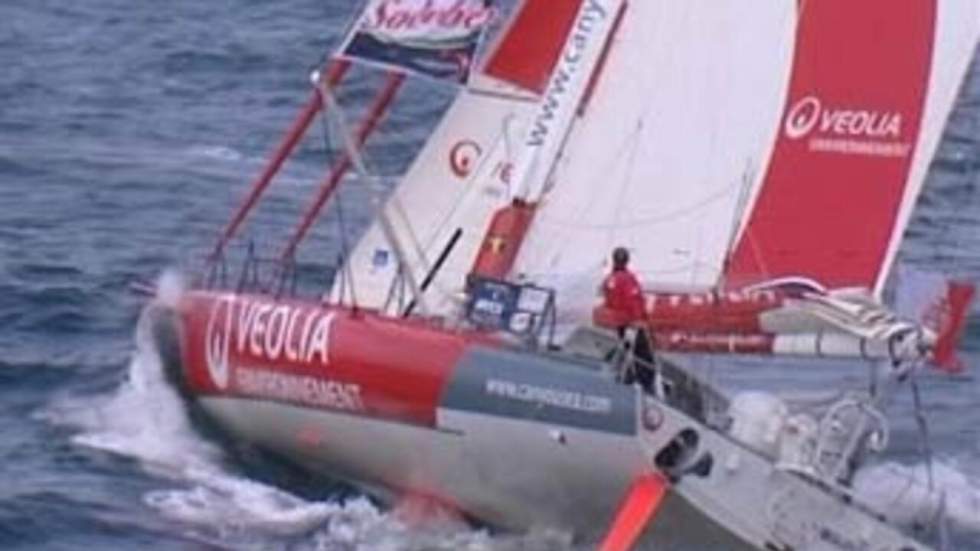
x=170 y=286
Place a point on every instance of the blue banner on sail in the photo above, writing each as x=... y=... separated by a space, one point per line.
x=436 y=38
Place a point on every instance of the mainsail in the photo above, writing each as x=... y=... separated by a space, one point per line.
x=869 y=95
x=871 y=90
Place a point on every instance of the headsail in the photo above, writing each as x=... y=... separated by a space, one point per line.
x=871 y=89
x=490 y=148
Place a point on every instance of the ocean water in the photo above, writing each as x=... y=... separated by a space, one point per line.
x=128 y=131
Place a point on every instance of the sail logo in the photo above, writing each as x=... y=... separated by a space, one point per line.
x=846 y=131
x=803 y=117
x=463 y=156
x=264 y=331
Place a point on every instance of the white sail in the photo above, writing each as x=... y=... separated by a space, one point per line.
x=678 y=130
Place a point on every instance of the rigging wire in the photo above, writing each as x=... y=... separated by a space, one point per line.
x=393 y=81
x=920 y=420
x=339 y=207
x=940 y=517
x=345 y=269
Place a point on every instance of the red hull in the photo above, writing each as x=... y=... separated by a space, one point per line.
x=317 y=356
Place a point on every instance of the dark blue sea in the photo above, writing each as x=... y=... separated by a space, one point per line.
x=128 y=133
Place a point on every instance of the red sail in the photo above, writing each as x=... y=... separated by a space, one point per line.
x=527 y=53
x=840 y=165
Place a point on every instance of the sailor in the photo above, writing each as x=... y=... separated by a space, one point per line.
x=623 y=300
x=622 y=293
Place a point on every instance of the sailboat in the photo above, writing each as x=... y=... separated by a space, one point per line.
x=761 y=163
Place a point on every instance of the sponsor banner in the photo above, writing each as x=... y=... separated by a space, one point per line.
x=315 y=356
x=435 y=38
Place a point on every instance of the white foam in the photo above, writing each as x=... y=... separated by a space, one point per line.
x=903 y=492
x=145 y=419
x=170 y=286
x=220 y=152
x=228 y=504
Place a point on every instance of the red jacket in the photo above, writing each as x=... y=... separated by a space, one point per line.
x=623 y=297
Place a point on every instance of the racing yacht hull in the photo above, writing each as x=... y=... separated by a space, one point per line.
x=518 y=439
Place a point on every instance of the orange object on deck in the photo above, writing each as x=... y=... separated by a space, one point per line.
x=503 y=240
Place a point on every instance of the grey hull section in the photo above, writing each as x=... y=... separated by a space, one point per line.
x=771 y=506
x=514 y=474
x=542 y=388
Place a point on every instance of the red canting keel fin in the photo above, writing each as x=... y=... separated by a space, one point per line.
x=641 y=504
x=953 y=315
x=939 y=304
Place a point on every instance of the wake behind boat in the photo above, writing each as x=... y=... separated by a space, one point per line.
x=457 y=355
